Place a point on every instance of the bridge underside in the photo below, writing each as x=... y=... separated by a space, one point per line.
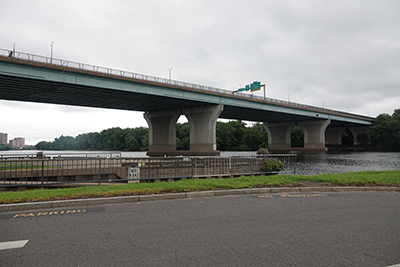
x=44 y=91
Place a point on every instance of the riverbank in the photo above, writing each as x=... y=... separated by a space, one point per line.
x=359 y=179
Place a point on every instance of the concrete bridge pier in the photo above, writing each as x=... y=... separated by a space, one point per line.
x=162 y=132
x=333 y=135
x=314 y=134
x=279 y=135
x=356 y=131
x=202 y=126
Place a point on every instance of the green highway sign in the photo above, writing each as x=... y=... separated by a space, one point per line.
x=255 y=86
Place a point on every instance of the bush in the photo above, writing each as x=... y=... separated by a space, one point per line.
x=273 y=165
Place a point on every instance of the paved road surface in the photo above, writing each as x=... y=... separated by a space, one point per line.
x=314 y=229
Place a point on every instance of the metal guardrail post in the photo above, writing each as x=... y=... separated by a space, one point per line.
x=99 y=171
x=42 y=173
x=263 y=164
x=148 y=177
x=191 y=159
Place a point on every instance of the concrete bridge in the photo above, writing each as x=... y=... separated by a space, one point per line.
x=33 y=78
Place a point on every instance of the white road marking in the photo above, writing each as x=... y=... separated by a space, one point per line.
x=397 y=265
x=13 y=244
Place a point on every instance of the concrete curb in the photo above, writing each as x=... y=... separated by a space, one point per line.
x=201 y=194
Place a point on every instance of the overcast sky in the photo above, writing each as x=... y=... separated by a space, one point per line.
x=342 y=55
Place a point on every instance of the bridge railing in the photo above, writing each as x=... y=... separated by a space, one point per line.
x=122 y=73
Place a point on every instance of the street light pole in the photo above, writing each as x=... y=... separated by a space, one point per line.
x=169 y=70
x=288 y=95
x=51 y=54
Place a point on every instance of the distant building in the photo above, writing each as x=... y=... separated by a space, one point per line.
x=17 y=142
x=3 y=139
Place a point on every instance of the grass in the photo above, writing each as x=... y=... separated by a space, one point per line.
x=367 y=178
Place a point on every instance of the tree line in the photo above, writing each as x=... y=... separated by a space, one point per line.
x=232 y=135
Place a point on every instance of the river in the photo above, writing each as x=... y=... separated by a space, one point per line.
x=308 y=163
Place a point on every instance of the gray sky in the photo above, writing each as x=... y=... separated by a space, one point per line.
x=342 y=55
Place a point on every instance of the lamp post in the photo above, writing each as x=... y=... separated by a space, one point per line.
x=169 y=70
x=51 y=53
x=265 y=88
x=288 y=96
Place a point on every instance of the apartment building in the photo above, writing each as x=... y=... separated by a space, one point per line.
x=17 y=142
x=3 y=139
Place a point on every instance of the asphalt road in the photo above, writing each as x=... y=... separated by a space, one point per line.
x=293 y=229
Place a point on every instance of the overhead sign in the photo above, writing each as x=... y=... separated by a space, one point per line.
x=255 y=86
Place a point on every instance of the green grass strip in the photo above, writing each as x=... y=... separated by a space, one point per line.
x=367 y=178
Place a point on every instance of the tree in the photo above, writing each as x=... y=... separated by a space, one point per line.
x=131 y=144
x=43 y=145
x=385 y=130
x=64 y=143
x=182 y=136
x=253 y=137
x=5 y=147
x=297 y=137
x=225 y=136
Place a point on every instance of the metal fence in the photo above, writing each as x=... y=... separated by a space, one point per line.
x=39 y=155
x=128 y=74
x=52 y=171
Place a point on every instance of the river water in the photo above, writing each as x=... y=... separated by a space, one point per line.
x=308 y=163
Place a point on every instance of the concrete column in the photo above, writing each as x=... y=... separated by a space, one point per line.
x=357 y=131
x=202 y=125
x=162 y=132
x=314 y=134
x=279 y=135
x=333 y=135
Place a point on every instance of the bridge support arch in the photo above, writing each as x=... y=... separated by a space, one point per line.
x=314 y=134
x=202 y=125
x=279 y=135
x=356 y=131
x=334 y=134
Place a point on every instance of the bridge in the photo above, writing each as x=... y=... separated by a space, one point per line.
x=34 y=78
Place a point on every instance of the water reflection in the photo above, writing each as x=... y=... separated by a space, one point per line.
x=309 y=163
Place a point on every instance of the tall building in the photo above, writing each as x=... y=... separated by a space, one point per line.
x=17 y=142
x=3 y=139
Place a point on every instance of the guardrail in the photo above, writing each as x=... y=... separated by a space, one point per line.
x=122 y=73
x=47 y=171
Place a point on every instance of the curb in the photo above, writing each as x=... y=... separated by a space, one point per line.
x=201 y=194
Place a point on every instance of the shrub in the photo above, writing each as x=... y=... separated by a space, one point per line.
x=273 y=165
